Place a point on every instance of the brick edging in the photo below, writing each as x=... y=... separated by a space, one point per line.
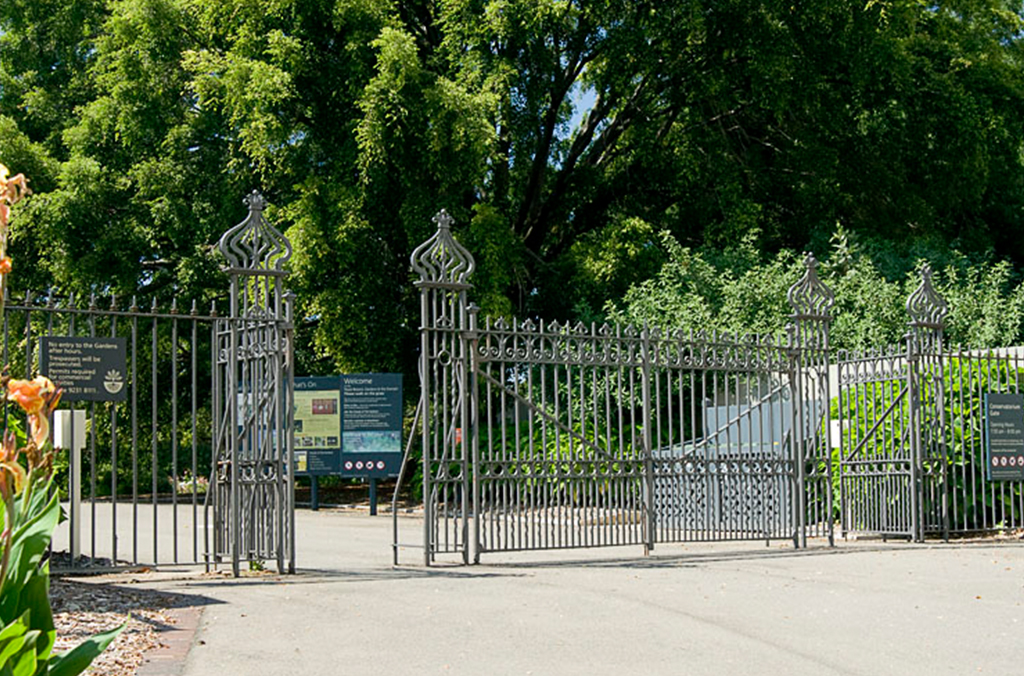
x=168 y=659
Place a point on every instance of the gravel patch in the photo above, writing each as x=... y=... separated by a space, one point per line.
x=84 y=608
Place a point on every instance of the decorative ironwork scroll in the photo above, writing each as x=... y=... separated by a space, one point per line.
x=254 y=246
x=253 y=482
x=444 y=267
x=809 y=297
x=927 y=309
x=442 y=260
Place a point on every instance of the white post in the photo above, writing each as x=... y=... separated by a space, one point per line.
x=69 y=435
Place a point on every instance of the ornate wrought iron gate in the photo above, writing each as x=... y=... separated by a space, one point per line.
x=876 y=457
x=542 y=435
x=207 y=404
x=912 y=428
x=893 y=463
x=253 y=473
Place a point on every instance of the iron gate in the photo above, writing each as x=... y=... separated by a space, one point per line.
x=193 y=467
x=136 y=494
x=542 y=435
x=254 y=473
x=893 y=443
x=912 y=432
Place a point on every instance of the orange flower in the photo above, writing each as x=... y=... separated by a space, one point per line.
x=9 y=464
x=32 y=395
x=5 y=265
x=40 y=428
x=12 y=188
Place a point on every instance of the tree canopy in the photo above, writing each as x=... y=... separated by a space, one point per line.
x=589 y=151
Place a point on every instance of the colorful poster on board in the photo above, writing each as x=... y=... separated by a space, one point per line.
x=349 y=425
x=317 y=426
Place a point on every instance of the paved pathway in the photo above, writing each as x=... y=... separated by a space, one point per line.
x=862 y=608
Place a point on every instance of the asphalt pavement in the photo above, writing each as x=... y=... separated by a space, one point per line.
x=863 y=607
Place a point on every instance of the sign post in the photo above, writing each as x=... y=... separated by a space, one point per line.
x=1004 y=441
x=69 y=435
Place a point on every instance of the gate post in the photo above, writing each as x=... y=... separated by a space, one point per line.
x=798 y=501
x=444 y=267
x=253 y=441
x=916 y=488
x=810 y=321
x=927 y=311
x=472 y=423
x=648 y=492
x=288 y=519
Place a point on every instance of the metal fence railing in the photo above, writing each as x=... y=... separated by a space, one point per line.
x=144 y=467
x=540 y=435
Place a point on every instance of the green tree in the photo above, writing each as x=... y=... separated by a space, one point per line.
x=571 y=141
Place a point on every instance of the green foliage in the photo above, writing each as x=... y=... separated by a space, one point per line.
x=733 y=291
x=743 y=290
x=569 y=140
x=28 y=635
x=973 y=498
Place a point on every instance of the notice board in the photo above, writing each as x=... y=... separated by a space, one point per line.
x=1004 y=439
x=317 y=426
x=349 y=425
x=87 y=369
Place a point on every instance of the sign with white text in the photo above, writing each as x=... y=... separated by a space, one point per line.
x=1004 y=441
x=87 y=369
x=349 y=425
x=371 y=438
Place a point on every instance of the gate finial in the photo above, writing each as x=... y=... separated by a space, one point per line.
x=254 y=246
x=441 y=260
x=809 y=297
x=927 y=309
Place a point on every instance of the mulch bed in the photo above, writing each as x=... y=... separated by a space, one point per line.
x=81 y=609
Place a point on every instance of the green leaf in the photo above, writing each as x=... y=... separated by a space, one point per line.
x=25 y=663
x=35 y=597
x=28 y=544
x=13 y=639
x=78 y=660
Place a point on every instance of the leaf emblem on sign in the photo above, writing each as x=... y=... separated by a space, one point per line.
x=114 y=381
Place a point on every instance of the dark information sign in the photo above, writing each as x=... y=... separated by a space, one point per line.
x=87 y=369
x=349 y=425
x=317 y=426
x=371 y=439
x=1004 y=422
